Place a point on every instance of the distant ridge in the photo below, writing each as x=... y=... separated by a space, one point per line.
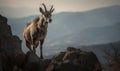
x=9 y=12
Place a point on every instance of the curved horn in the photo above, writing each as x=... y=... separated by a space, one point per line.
x=51 y=7
x=44 y=6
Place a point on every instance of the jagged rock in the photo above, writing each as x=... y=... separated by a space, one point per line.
x=10 y=48
x=3 y=19
x=5 y=29
x=75 y=60
x=12 y=57
x=7 y=40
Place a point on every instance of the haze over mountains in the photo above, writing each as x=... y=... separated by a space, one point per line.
x=76 y=28
x=10 y=12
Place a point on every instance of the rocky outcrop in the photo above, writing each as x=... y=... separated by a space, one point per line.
x=12 y=57
x=11 y=54
x=3 y=19
x=74 y=60
x=7 y=40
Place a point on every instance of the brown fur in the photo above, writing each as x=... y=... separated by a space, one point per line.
x=36 y=31
x=33 y=33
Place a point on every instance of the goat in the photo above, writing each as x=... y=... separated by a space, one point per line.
x=36 y=31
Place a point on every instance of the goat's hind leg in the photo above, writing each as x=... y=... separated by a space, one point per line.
x=41 y=46
x=28 y=45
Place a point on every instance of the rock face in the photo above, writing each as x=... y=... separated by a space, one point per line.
x=10 y=47
x=74 y=60
x=12 y=57
x=7 y=40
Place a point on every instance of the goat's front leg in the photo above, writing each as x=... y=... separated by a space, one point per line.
x=41 y=46
x=35 y=46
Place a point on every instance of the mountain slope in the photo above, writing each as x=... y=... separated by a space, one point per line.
x=100 y=48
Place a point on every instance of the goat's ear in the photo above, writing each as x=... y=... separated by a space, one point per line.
x=41 y=10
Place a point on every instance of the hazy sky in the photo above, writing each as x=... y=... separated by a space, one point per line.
x=60 y=5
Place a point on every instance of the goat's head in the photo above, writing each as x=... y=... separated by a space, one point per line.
x=46 y=14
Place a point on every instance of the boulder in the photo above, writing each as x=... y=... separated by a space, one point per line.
x=31 y=62
x=44 y=64
x=75 y=60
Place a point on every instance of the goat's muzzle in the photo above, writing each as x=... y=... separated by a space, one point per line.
x=50 y=20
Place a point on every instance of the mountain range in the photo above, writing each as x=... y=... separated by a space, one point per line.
x=96 y=26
